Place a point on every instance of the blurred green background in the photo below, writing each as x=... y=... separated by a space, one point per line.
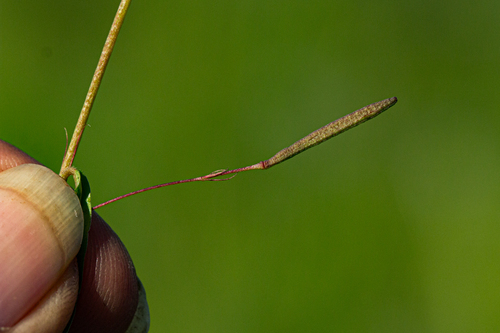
x=391 y=227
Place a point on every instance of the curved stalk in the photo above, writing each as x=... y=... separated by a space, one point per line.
x=315 y=138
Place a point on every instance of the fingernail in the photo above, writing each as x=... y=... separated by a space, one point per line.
x=41 y=227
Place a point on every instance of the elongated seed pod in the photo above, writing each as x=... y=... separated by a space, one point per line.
x=329 y=131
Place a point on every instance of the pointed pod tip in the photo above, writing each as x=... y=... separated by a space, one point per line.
x=389 y=101
x=379 y=107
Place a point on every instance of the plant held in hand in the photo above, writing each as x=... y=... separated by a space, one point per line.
x=69 y=213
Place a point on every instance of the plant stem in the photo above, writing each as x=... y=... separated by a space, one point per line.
x=94 y=87
x=315 y=138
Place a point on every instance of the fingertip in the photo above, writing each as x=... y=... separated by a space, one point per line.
x=109 y=296
x=11 y=156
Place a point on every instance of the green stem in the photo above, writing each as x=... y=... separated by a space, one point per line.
x=94 y=87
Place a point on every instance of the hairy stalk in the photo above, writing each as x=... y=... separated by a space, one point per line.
x=315 y=138
x=69 y=156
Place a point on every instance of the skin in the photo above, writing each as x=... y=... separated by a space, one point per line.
x=109 y=295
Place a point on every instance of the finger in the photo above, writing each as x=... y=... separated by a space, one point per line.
x=108 y=298
x=52 y=313
x=11 y=156
x=32 y=257
x=109 y=294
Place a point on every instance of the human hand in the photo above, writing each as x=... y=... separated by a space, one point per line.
x=36 y=297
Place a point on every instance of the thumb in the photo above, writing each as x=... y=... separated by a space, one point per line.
x=38 y=283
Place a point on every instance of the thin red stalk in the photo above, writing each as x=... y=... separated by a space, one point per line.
x=209 y=177
x=324 y=133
